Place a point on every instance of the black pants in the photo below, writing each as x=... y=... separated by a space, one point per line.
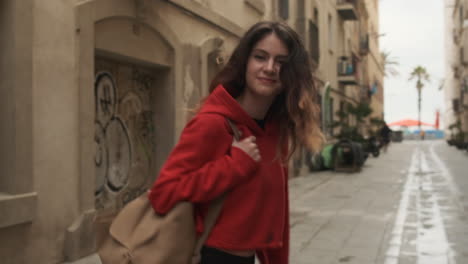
x=215 y=256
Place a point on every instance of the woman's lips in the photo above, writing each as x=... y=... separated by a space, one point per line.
x=266 y=80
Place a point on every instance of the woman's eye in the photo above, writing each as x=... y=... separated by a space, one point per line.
x=259 y=57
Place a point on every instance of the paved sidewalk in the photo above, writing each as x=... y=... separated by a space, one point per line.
x=347 y=217
x=343 y=217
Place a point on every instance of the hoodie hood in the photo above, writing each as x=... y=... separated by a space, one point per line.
x=221 y=102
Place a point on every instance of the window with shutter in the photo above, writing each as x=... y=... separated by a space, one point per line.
x=283 y=7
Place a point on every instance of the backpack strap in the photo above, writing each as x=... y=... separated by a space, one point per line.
x=214 y=209
x=236 y=132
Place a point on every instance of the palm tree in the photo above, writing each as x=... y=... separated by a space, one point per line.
x=421 y=75
x=389 y=64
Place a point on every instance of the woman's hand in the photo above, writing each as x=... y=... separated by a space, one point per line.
x=249 y=146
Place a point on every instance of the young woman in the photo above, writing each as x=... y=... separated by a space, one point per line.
x=266 y=90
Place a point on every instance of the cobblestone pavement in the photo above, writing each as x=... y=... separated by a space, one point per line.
x=407 y=206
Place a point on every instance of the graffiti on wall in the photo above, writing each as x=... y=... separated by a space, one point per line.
x=113 y=150
x=124 y=133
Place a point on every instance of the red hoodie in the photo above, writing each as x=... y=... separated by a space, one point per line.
x=203 y=165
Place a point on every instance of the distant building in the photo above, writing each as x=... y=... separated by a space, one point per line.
x=456 y=80
x=346 y=52
x=342 y=37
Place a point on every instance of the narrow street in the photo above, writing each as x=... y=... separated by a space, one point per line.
x=407 y=206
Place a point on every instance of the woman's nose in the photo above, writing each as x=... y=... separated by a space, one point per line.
x=270 y=66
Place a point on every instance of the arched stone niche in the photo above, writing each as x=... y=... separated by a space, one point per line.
x=123 y=34
x=133 y=98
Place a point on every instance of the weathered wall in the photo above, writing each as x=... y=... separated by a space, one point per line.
x=7 y=99
x=160 y=54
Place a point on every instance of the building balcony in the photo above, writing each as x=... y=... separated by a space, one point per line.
x=365 y=93
x=463 y=57
x=464 y=101
x=456 y=35
x=464 y=93
x=348 y=70
x=364 y=47
x=456 y=70
x=463 y=49
x=456 y=105
x=347 y=9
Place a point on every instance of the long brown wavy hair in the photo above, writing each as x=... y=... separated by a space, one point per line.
x=295 y=106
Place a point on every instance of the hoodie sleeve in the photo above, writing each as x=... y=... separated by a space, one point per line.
x=202 y=166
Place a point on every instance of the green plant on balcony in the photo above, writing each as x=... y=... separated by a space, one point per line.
x=389 y=64
x=352 y=132
x=375 y=125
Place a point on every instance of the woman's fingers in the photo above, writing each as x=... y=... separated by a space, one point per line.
x=249 y=146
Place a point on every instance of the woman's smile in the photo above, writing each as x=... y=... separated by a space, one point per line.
x=267 y=81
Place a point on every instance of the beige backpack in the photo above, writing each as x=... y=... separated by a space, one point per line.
x=140 y=236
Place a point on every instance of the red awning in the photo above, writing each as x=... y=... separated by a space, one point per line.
x=408 y=123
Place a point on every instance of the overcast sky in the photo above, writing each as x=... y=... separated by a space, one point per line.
x=414 y=36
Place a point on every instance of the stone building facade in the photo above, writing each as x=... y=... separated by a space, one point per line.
x=456 y=80
x=94 y=93
x=342 y=37
x=372 y=87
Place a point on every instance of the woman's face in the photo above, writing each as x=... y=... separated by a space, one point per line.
x=264 y=65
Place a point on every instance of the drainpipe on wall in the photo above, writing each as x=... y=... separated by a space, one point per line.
x=326 y=107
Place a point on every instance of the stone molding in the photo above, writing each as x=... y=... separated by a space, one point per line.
x=210 y=16
x=257 y=5
x=17 y=209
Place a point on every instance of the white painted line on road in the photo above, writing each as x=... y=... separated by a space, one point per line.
x=393 y=252
x=432 y=243
x=454 y=191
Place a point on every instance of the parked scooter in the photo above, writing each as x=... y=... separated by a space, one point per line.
x=372 y=145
